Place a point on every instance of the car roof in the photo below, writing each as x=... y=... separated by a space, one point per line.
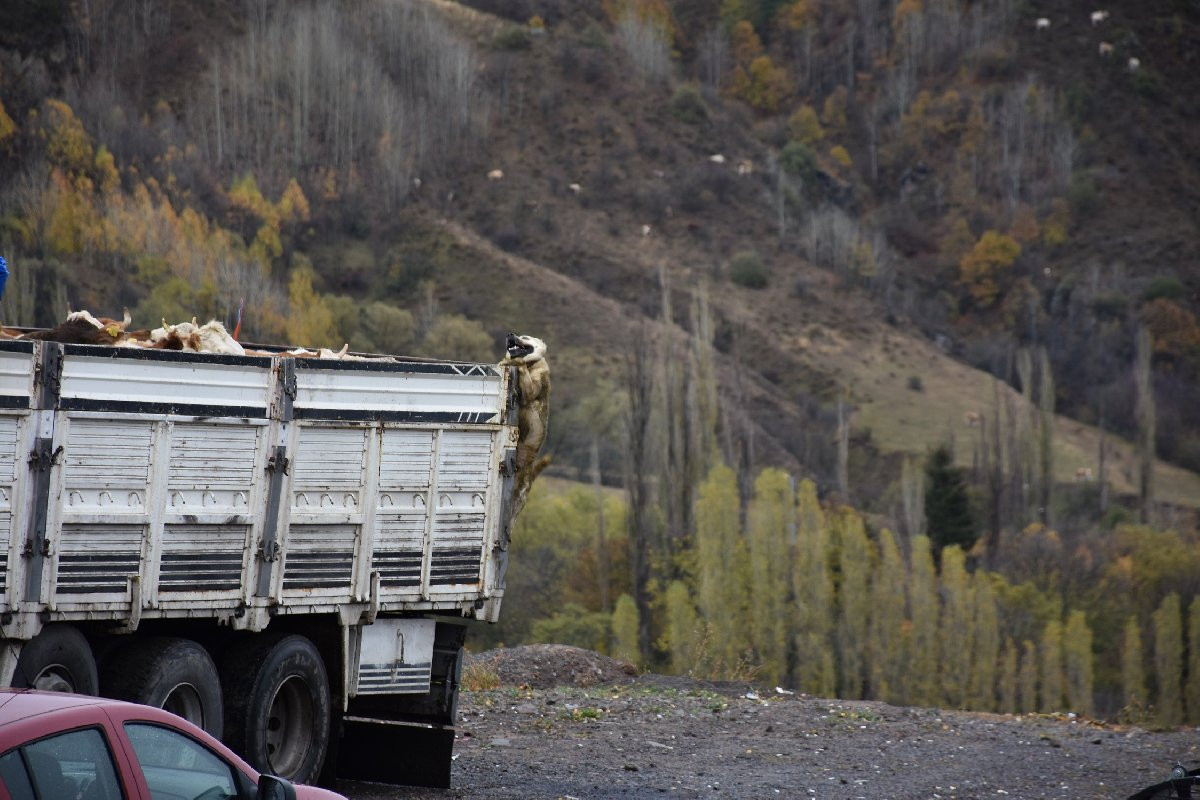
x=19 y=704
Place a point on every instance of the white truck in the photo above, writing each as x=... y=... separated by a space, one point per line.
x=285 y=551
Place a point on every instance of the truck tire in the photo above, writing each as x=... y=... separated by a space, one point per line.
x=58 y=659
x=174 y=674
x=277 y=696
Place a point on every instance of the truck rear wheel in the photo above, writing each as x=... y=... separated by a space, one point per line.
x=58 y=659
x=170 y=673
x=277 y=696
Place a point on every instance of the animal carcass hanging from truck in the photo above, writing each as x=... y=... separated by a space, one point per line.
x=284 y=550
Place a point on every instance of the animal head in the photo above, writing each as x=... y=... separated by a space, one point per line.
x=525 y=348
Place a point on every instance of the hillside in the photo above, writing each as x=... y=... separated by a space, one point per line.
x=862 y=300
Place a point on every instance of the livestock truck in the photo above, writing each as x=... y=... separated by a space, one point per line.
x=285 y=551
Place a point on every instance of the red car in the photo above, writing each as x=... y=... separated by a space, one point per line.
x=56 y=746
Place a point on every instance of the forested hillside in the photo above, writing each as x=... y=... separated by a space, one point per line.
x=828 y=286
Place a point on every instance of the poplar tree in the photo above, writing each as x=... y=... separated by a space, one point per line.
x=1052 y=666
x=681 y=630
x=625 y=630
x=1133 y=671
x=1046 y=434
x=1145 y=424
x=813 y=590
x=921 y=686
x=771 y=517
x=853 y=602
x=955 y=628
x=721 y=564
x=1192 y=688
x=887 y=629
x=1077 y=656
x=1168 y=660
x=1008 y=678
x=1027 y=678
x=985 y=652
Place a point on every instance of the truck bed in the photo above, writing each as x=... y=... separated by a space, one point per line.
x=140 y=483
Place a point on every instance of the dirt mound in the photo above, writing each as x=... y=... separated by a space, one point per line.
x=544 y=666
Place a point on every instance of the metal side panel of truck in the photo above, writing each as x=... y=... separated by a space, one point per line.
x=361 y=504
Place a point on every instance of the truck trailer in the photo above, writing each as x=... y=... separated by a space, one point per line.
x=285 y=551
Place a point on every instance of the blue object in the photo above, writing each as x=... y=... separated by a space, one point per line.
x=3 y=274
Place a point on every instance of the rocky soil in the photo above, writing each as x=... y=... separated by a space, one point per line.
x=568 y=723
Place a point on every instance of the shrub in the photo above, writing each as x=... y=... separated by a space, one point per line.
x=688 y=106
x=512 y=37
x=915 y=384
x=798 y=159
x=748 y=269
x=1166 y=286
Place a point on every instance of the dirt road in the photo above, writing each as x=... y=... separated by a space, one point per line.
x=569 y=723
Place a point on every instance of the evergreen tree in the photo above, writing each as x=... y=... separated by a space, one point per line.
x=721 y=565
x=853 y=551
x=985 y=653
x=772 y=515
x=1168 y=660
x=625 y=630
x=955 y=630
x=813 y=590
x=1027 y=678
x=1008 y=678
x=1052 y=667
x=1133 y=671
x=885 y=650
x=1077 y=653
x=921 y=686
x=947 y=507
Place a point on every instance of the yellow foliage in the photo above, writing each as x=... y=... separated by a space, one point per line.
x=8 y=128
x=310 y=322
x=267 y=245
x=245 y=194
x=842 y=156
x=746 y=44
x=794 y=16
x=958 y=240
x=293 y=205
x=982 y=268
x=106 y=171
x=763 y=86
x=833 y=113
x=1056 y=226
x=804 y=126
x=67 y=143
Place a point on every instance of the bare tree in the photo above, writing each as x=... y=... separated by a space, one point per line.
x=646 y=46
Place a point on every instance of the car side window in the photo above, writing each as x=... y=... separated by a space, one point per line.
x=178 y=767
x=75 y=765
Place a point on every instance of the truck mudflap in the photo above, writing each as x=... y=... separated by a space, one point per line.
x=389 y=751
x=403 y=738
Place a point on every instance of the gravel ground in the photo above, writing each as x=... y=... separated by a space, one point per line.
x=568 y=723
